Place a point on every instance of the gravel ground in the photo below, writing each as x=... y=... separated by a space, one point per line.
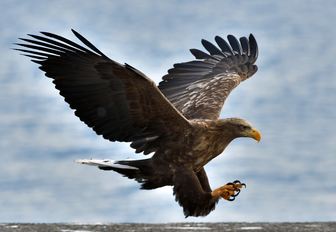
x=184 y=227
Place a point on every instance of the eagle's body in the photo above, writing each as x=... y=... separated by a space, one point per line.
x=203 y=142
x=193 y=149
x=178 y=120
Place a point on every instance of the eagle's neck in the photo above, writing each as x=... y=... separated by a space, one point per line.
x=210 y=139
x=224 y=134
x=223 y=140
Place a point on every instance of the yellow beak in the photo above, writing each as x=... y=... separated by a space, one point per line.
x=255 y=134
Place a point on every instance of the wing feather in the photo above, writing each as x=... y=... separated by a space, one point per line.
x=116 y=101
x=199 y=54
x=236 y=47
x=253 y=49
x=199 y=88
x=224 y=45
x=245 y=46
x=212 y=49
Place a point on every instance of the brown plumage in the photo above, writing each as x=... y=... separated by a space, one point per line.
x=178 y=120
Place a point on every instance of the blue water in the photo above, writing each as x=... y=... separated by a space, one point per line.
x=290 y=174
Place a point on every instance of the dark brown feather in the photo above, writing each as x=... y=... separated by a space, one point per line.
x=116 y=101
x=190 y=195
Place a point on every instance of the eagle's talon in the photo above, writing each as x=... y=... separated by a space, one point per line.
x=229 y=191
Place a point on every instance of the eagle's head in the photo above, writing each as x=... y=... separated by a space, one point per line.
x=241 y=128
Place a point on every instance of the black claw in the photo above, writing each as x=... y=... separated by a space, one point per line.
x=232 y=198
x=238 y=182
x=230 y=183
x=238 y=191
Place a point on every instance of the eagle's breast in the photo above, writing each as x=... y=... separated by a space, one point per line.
x=208 y=142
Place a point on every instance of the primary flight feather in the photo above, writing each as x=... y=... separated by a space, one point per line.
x=178 y=120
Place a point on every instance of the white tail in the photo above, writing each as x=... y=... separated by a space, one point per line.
x=105 y=163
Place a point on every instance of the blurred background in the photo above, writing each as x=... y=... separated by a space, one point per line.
x=290 y=174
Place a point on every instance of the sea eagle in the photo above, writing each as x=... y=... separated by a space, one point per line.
x=178 y=120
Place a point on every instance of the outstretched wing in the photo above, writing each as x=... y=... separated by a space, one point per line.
x=116 y=101
x=192 y=191
x=199 y=88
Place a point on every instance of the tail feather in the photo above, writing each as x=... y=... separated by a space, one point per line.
x=105 y=164
x=140 y=170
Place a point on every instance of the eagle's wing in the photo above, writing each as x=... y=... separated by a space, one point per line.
x=116 y=101
x=199 y=88
x=193 y=193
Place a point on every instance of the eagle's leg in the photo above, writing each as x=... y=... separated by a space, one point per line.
x=228 y=191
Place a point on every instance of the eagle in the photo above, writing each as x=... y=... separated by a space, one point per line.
x=177 y=121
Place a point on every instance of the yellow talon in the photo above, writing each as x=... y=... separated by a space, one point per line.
x=228 y=191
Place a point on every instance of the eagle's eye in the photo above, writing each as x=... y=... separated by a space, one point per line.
x=242 y=127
